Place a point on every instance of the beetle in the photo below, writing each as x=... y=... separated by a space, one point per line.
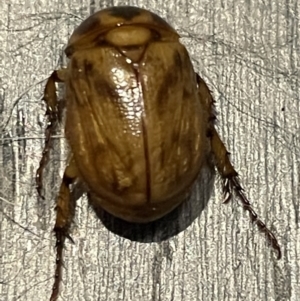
x=140 y=123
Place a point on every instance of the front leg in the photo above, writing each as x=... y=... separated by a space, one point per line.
x=65 y=210
x=52 y=113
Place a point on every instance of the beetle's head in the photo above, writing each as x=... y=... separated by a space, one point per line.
x=121 y=26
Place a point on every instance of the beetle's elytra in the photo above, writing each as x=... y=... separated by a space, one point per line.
x=139 y=122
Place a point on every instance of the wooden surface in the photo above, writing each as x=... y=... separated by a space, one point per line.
x=248 y=53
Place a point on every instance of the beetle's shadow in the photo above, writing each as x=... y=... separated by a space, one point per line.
x=171 y=224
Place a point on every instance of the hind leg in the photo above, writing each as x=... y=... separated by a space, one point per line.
x=229 y=175
x=65 y=210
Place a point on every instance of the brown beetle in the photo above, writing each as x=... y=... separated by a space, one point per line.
x=139 y=122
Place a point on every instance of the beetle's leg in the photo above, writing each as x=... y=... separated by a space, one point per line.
x=65 y=210
x=231 y=183
x=225 y=168
x=52 y=113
